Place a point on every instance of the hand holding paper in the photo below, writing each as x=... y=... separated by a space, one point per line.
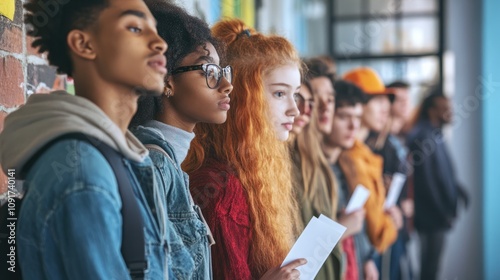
x=358 y=199
x=288 y=271
x=397 y=183
x=315 y=244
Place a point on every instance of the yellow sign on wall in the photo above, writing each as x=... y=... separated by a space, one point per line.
x=7 y=8
x=243 y=9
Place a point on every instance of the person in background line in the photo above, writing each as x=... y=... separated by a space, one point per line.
x=401 y=107
x=321 y=80
x=196 y=90
x=315 y=184
x=395 y=263
x=362 y=166
x=305 y=104
x=436 y=187
x=331 y=65
x=70 y=225
x=345 y=126
x=240 y=170
x=394 y=154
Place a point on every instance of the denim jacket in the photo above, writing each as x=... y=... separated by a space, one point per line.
x=70 y=225
x=188 y=235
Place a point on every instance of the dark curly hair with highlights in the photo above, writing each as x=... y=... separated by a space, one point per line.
x=50 y=22
x=184 y=34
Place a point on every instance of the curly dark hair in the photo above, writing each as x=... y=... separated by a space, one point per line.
x=184 y=34
x=348 y=94
x=50 y=21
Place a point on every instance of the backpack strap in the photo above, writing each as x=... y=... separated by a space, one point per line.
x=133 y=242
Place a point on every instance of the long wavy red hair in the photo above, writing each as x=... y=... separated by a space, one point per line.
x=248 y=142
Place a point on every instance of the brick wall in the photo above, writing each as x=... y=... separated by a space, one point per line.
x=22 y=69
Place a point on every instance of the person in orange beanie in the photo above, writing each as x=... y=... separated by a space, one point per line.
x=362 y=166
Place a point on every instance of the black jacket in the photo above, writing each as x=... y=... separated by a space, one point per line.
x=435 y=186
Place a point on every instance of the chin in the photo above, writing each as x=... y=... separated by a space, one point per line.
x=376 y=128
x=347 y=146
x=296 y=130
x=219 y=121
x=215 y=119
x=283 y=136
x=148 y=91
x=325 y=130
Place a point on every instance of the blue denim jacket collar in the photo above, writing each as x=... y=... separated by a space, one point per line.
x=188 y=234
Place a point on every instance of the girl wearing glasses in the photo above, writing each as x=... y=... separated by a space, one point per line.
x=240 y=170
x=196 y=90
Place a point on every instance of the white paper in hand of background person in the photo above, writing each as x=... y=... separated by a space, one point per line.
x=315 y=245
x=397 y=183
x=358 y=199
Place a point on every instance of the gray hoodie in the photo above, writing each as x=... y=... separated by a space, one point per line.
x=47 y=116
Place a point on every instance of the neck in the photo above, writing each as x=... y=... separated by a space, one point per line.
x=363 y=133
x=118 y=103
x=172 y=117
x=331 y=153
x=397 y=125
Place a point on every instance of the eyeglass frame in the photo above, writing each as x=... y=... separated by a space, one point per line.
x=203 y=67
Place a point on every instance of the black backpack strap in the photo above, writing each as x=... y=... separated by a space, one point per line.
x=133 y=242
x=133 y=250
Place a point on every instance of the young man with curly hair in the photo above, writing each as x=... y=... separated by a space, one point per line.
x=70 y=225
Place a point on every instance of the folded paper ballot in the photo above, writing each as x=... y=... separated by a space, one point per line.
x=315 y=244
x=397 y=183
x=358 y=199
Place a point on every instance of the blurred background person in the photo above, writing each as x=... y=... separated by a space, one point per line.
x=436 y=188
x=362 y=166
x=315 y=184
x=401 y=108
x=345 y=126
x=305 y=103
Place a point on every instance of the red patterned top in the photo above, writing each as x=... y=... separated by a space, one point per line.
x=352 y=263
x=223 y=201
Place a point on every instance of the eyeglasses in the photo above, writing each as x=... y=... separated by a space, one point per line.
x=303 y=103
x=213 y=73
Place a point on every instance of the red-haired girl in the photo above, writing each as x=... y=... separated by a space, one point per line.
x=240 y=170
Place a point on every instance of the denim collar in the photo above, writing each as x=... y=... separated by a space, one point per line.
x=179 y=139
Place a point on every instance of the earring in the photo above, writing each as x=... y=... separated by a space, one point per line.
x=168 y=91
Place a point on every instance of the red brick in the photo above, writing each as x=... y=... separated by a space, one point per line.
x=3 y=178
x=11 y=79
x=11 y=39
x=3 y=182
x=2 y=118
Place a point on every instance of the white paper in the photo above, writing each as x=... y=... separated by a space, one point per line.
x=358 y=199
x=315 y=244
x=397 y=183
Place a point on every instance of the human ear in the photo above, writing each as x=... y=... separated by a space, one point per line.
x=80 y=44
x=169 y=86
